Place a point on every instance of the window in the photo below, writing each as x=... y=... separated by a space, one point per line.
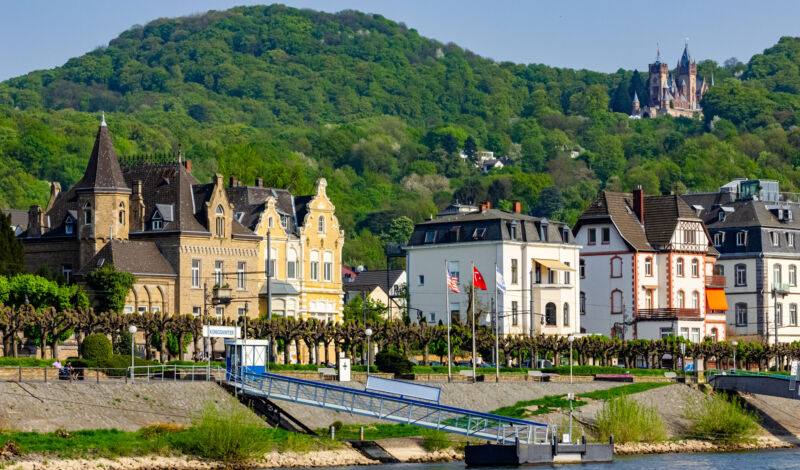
x=550 y=314
x=552 y=276
x=592 y=236
x=679 y=267
x=66 y=271
x=514 y=277
x=684 y=332
x=648 y=299
x=776 y=275
x=567 y=279
x=719 y=270
x=218 y=273
x=714 y=335
x=582 y=269
x=321 y=224
x=128 y=309
x=455 y=311
x=122 y=213
x=220 y=312
x=695 y=268
x=695 y=300
x=741 y=274
x=195 y=273
x=69 y=225
x=514 y=313
x=741 y=238
x=583 y=303
x=240 y=275
x=721 y=216
x=432 y=318
x=285 y=222
x=87 y=214
x=241 y=312
x=793 y=314
x=606 y=234
x=314 y=266
x=430 y=236
x=479 y=233
x=616 y=266
x=327 y=267
x=538 y=273
x=220 y=221
x=142 y=309
x=455 y=270
x=421 y=280
x=741 y=314
x=271 y=264
x=666 y=332
x=197 y=311
x=616 y=301
x=719 y=238
x=512 y=228
x=779 y=314
x=790 y=240
x=695 y=338
x=793 y=275
x=681 y=300
x=291 y=264
x=776 y=239
x=689 y=237
x=566 y=314
x=271 y=222
x=648 y=267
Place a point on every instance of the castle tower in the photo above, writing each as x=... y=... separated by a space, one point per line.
x=103 y=198
x=687 y=71
x=658 y=78
x=635 y=103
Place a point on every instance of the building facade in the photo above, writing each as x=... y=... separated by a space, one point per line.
x=189 y=243
x=753 y=227
x=646 y=269
x=387 y=287
x=537 y=259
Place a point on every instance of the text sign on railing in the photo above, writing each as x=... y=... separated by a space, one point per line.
x=404 y=389
x=216 y=331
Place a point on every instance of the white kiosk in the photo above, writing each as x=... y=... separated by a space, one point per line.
x=246 y=356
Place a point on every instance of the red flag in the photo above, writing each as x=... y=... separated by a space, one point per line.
x=477 y=279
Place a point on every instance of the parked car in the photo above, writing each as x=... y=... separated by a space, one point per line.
x=434 y=363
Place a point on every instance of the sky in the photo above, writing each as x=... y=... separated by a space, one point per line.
x=596 y=35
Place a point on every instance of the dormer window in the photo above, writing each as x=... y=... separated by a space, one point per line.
x=719 y=237
x=87 y=214
x=69 y=225
x=220 y=221
x=721 y=216
x=157 y=221
x=479 y=233
x=430 y=236
x=512 y=230
x=239 y=216
x=741 y=238
x=775 y=238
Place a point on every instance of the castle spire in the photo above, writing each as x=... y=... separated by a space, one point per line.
x=658 y=53
x=686 y=58
x=635 y=97
x=103 y=171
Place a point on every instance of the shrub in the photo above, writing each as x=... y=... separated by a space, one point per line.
x=393 y=362
x=435 y=440
x=720 y=417
x=96 y=347
x=629 y=421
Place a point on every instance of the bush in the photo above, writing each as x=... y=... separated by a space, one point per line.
x=720 y=417
x=629 y=421
x=393 y=362
x=96 y=347
x=435 y=440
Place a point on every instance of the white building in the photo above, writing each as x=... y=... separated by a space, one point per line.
x=646 y=269
x=536 y=257
x=384 y=286
x=755 y=229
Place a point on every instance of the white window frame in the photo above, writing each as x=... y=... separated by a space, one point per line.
x=196 y=266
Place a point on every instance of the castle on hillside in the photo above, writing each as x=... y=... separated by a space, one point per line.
x=671 y=97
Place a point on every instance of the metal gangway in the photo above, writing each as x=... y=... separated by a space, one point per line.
x=759 y=383
x=398 y=409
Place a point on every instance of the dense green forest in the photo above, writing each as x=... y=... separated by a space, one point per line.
x=381 y=112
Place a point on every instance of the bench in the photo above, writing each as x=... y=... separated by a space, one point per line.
x=538 y=376
x=670 y=375
x=326 y=373
x=465 y=372
x=614 y=377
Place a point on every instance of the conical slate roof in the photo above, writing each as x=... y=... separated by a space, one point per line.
x=103 y=172
x=635 y=97
x=686 y=58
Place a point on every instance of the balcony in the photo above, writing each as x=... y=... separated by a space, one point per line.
x=222 y=295
x=715 y=282
x=668 y=314
x=781 y=289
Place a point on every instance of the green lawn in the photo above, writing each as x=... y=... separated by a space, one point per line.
x=623 y=390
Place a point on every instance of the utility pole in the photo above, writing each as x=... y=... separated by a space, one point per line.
x=207 y=339
x=532 y=326
x=269 y=296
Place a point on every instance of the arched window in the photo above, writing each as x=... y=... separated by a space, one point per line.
x=616 y=266
x=220 y=221
x=681 y=299
x=220 y=210
x=271 y=222
x=776 y=274
x=714 y=335
x=566 y=314
x=122 y=213
x=695 y=268
x=616 y=301
x=648 y=266
x=695 y=300
x=679 y=267
x=321 y=224
x=550 y=314
x=648 y=299
x=87 y=214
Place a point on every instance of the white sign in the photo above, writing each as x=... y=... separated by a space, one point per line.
x=344 y=370
x=794 y=368
x=216 y=331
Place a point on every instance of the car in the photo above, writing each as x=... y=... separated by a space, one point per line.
x=434 y=363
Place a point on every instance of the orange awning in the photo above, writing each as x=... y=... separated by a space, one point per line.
x=716 y=299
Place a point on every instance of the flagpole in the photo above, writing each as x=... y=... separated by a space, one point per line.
x=449 y=315
x=496 y=328
x=474 y=352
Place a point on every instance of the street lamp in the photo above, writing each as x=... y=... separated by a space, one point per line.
x=132 y=330
x=571 y=339
x=734 y=344
x=368 y=332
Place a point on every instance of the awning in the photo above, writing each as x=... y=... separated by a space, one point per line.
x=278 y=288
x=716 y=299
x=553 y=264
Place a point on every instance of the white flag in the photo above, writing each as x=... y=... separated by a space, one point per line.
x=501 y=285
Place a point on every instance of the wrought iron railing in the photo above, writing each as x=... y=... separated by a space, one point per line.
x=667 y=313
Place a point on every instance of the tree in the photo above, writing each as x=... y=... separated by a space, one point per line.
x=111 y=287
x=550 y=202
x=400 y=229
x=53 y=326
x=623 y=99
x=471 y=149
x=499 y=190
x=12 y=255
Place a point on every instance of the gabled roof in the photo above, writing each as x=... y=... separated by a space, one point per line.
x=135 y=257
x=661 y=215
x=103 y=172
x=251 y=202
x=19 y=218
x=616 y=208
x=372 y=279
x=168 y=187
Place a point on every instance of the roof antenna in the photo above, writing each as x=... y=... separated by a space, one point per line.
x=103 y=122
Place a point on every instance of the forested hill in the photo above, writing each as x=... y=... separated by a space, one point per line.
x=381 y=112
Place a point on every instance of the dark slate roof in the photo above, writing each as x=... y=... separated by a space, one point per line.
x=135 y=257
x=371 y=279
x=467 y=227
x=168 y=185
x=102 y=171
x=661 y=214
x=19 y=218
x=686 y=58
x=251 y=202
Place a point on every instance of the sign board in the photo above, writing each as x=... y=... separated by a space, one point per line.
x=404 y=389
x=216 y=331
x=344 y=370
x=795 y=365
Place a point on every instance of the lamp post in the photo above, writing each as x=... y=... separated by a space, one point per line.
x=132 y=330
x=734 y=344
x=368 y=333
x=571 y=339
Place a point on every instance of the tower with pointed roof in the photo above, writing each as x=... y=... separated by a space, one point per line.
x=677 y=94
x=687 y=77
x=103 y=198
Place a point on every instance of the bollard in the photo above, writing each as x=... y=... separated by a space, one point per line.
x=361 y=433
x=333 y=433
x=611 y=440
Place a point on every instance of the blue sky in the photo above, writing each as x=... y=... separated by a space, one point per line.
x=598 y=35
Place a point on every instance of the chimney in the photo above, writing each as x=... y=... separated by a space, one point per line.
x=517 y=207
x=35 y=221
x=638 y=203
x=188 y=165
x=483 y=207
x=260 y=182
x=233 y=182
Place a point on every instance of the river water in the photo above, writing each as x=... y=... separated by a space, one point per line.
x=760 y=460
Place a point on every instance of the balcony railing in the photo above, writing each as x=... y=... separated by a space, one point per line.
x=667 y=313
x=715 y=281
x=781 y=289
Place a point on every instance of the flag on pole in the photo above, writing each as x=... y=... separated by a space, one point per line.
x=477 y=279
x=501 y=284
x=452 y=283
